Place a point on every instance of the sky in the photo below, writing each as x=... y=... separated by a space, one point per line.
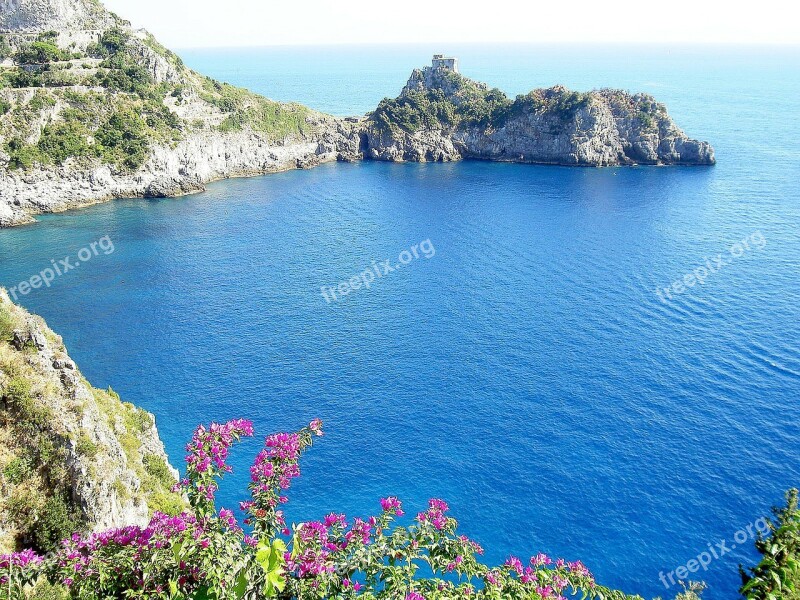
x=227 y=23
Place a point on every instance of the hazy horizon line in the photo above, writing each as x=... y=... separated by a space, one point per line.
x=656 y=44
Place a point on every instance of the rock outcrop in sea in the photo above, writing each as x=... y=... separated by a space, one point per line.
x=71 y=456
x=92 y=109
x=442 y=116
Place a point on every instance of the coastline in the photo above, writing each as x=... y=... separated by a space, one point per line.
x=169 y=172
x=48 y=191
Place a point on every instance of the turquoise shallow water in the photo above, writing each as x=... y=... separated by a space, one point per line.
x=527 y=371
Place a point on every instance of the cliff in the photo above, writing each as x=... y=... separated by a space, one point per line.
x=71 y=456
x=92 y=109
x=442 y=116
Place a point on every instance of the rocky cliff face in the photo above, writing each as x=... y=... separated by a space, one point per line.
x=25 y=16
x=91 y=109
x=71 y=456
x=443 y=116
x=172 y=170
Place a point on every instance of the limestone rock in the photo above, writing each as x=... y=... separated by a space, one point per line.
x=109 y=449
x=459 y=118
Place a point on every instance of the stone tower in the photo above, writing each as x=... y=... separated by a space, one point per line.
x=444 y=62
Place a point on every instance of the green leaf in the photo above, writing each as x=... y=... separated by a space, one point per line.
x=177 y=549
x=777 y=579
x=263 y=554
x=277 y=580
x=202 y=594
x=241 y=584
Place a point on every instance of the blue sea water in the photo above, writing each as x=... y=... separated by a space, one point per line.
x=527 y=372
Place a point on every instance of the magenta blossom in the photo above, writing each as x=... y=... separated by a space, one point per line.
x=392 y=505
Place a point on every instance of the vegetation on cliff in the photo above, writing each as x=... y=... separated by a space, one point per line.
x=62 y=441
x=112 y=100
x=446 y=100
x=777 y=576
x=441 y=115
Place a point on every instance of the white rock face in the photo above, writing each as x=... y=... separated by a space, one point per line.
x=184 y=169
x=31 y=16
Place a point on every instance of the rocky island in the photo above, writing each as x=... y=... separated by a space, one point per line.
x=441 y=116
x=92 y=109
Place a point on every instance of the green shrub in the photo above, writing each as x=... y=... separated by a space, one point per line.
x=21 y=154
x=646 y=119
x=111 y=42
x=57 y=521
x=30 y=417
x=41 y=52
x=18 y=470
x=122 y=491
x=44 y=590
x=86 y=447
x=63 y=140
x=777 y=576
x=7 y=324
x=414 y=111
x=465 y=103
x=47 y=36
x=225 y=97
x=5 y=49
x=17 y=394
x=124 y=139
x=21 y=78
x=123 y=77
x=137 y=420
x=114 y=40
x=165 y=502
x=41 y=100
x=158 y=469
x=276 y=120
x=21 y=512
x=557 y=101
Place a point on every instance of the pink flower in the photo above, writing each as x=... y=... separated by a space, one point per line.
x=20 y=559
x=392 y=505
x=334 y=519
x=316 y=427
x=541 y=560
x=514 y=564
x=435 y=514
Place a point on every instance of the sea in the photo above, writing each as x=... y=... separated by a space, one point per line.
x=598 y=364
